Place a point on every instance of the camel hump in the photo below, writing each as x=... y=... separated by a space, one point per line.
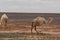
x=4 y=16
x=39 y=19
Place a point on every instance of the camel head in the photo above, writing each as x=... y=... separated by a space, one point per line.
x=49 y=20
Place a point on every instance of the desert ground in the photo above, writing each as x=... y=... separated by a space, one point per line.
x=19 y=28
x=23 y=32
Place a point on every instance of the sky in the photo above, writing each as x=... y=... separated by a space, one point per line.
x=33 y=6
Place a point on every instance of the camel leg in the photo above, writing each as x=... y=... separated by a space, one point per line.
x=32 y=27
x=5 y=25
x=1 y=25
x=5 y=22
x=35 y=29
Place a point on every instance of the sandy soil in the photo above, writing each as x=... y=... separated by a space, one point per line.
x=23 y=32
x=27 y=28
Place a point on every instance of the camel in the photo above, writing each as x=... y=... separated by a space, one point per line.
x=39 y=21
x=4 y=19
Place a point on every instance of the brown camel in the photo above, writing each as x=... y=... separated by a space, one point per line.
x=39 y=21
